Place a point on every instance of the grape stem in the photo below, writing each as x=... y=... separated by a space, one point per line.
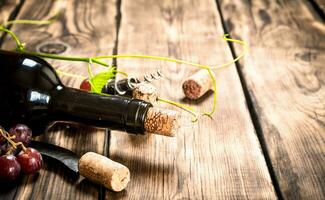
x=9 y=138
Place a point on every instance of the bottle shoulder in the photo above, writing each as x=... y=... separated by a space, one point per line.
x=27 y=71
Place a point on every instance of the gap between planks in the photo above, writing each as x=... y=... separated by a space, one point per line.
x=252 y=111
x=319 y=7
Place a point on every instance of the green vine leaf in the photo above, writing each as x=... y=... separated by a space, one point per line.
x=98 y=81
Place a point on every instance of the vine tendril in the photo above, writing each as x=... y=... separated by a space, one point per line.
x=20 y=47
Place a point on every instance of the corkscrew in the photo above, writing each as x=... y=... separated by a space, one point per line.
x=126 y=85
x=152 y=77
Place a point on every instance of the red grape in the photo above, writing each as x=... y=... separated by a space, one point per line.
x=30 y=161
x=85 y=85
x=22 y=132
x=10 y=168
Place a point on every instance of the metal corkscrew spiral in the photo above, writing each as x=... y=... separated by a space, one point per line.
x=126 y=85
x=152 y=77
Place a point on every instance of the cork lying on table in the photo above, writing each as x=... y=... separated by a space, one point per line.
x=161 y=121
x=104 y=171
x=197 y=85
x=146 y=91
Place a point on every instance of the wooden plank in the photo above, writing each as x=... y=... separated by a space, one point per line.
x=285 y=78
x=215 y=158
x=6 y=9
x=81 y=31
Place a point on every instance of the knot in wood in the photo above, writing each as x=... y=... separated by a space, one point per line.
x=52 y=48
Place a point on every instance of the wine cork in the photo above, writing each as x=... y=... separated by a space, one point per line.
x=104 y=171
x=197 y=85
x=161 y=121
x=146 y=91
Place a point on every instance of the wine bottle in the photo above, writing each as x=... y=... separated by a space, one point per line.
x=32 y=93
x=121 y=87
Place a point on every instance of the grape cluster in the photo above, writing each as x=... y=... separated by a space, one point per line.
x=14 y=156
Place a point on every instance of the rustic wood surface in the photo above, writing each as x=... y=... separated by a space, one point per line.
x=266 y=140
x=7 y=9
x=193 y=164
x=80 y=31
x=285 y=77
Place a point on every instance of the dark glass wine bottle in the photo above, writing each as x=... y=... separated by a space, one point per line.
x=31 y=93
x=121 y=87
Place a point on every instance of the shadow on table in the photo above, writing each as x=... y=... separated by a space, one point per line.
x=141 y=171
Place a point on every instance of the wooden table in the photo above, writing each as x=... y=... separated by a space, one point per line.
x=267 y=138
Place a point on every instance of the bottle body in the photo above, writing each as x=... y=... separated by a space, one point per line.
x=32 y=93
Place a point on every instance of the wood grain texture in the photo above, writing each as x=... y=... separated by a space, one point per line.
x=79 y=31
x=6 y=9
x=285 y=78
x=214 y=159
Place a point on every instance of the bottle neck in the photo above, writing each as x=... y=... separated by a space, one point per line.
x=113 y=112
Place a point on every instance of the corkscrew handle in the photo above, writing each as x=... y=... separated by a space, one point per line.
x=126 y=85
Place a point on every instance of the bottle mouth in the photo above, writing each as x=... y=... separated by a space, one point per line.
x=135 y=115
x=162 y=121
